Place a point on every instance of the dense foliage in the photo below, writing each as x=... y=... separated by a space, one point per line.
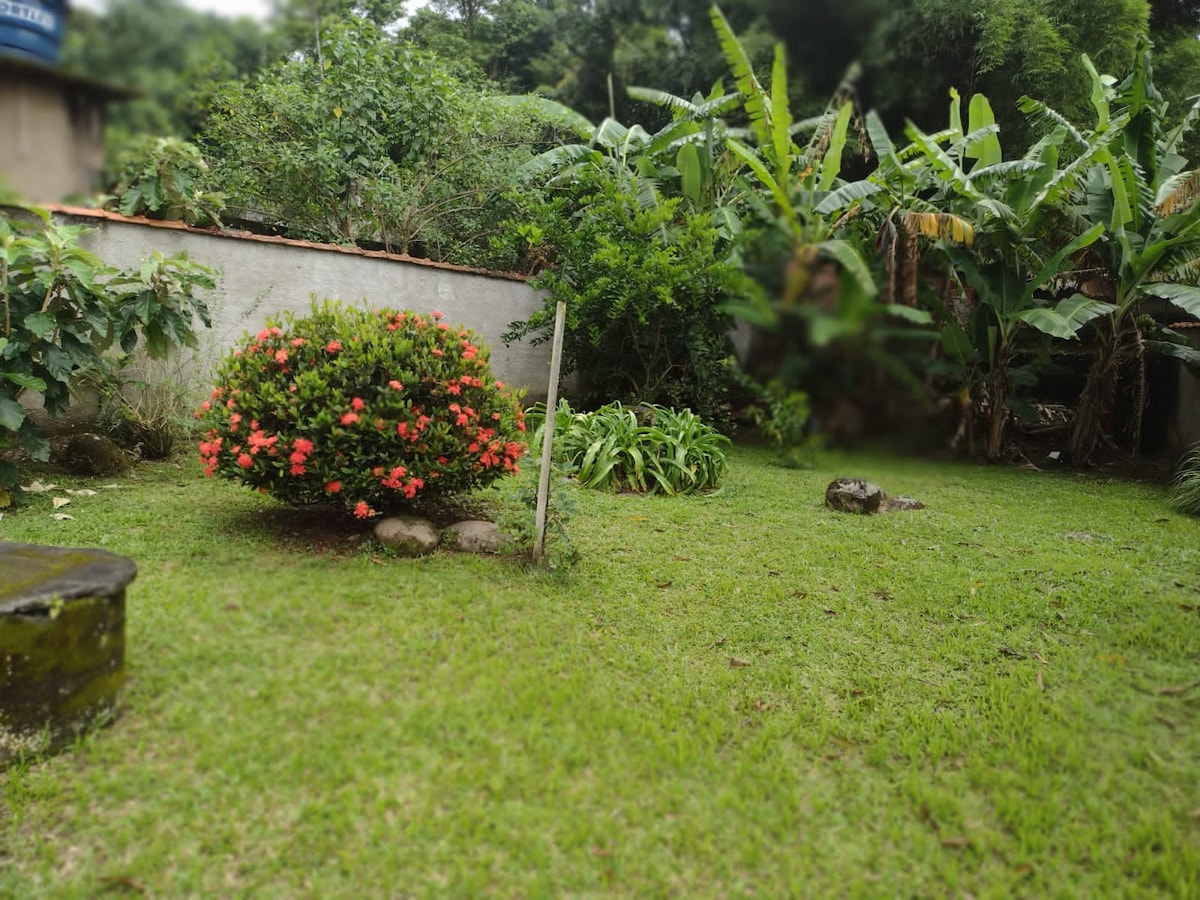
x=372 y=142
x=1031 y=251
x=1008 y=258
x=911 y=53
x=63 y=310
x=172 y=54
x=643 y=287
x=376 y=410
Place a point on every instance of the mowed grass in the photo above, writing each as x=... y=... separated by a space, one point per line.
x=734 y=694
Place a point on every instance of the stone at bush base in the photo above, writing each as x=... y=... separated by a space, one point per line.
x=476 y=536
x=853 y=495
x=407 y=535
x=92 y=454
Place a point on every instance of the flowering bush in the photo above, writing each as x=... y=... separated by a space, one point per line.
x=371 y=409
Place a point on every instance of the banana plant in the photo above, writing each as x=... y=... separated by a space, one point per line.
x=996 y=225
x=692 y=150
x=786 y=186
x=1140 y=186
x=688 y=152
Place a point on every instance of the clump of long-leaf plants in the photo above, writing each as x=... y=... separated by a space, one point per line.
x=645 y=448
x=1185 y=491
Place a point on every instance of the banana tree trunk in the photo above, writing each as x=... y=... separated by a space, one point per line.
x=1094 y=401
x=998 y=414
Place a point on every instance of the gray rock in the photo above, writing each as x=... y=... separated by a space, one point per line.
x=476 y=536
x=902 y=504
x=407 y=535
x=853 y=495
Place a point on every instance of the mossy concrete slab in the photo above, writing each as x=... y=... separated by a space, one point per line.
x=62 y=643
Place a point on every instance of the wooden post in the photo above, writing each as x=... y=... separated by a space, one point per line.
x=543 y=496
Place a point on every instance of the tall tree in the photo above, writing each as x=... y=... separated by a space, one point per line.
x=297 y=24
x=167 y=50
x=1002 y=48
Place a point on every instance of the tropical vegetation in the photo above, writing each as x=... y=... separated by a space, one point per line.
x=1030 y=252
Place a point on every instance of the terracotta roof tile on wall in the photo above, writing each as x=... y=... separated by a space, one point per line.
x=84 y=212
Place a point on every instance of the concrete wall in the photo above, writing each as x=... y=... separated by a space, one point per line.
x=260 y=276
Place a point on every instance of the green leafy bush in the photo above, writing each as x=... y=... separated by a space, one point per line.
x=643 y=288
x=646 y=448
x=372 y=409
x=1185 y=492
x=162 y=178
x=62 y=310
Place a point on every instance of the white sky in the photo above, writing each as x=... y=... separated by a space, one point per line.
x=258 y=9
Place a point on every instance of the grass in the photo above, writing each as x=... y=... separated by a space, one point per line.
x=733 y=694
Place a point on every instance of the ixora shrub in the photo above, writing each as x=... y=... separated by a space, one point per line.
x=646 y=448
x=373 y=409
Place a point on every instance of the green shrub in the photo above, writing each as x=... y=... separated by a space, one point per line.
x=373 y=409
x=644 y=448
x=62 y=310
x=1185 y=492
x=162 y=178
x=514 y=510
x=371 y=141
x=643 y=288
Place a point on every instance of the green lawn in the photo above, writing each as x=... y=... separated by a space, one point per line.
x=737 y=694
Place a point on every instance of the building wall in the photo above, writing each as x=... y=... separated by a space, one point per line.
x=259 y=276
x=51 y=141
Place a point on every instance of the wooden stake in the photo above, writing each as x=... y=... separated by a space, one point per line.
x=543 y=496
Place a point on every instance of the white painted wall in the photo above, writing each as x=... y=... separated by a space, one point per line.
x=259 y=278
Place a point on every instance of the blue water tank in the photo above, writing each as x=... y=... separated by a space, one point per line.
x=32 y=29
